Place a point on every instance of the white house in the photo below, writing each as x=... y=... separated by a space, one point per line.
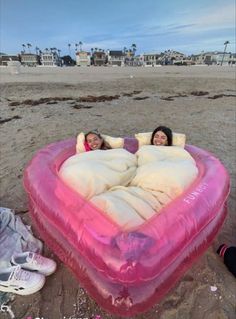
x=212 y=58
x=83 y=58
x=116 y=58
x=50 y=58
x=151 y=59
x=172 y=57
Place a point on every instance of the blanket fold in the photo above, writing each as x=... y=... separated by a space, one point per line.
x=95 y=172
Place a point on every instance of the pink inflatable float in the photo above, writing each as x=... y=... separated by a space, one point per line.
x=125 y=272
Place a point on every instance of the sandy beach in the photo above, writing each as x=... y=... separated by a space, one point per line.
x=43 y=105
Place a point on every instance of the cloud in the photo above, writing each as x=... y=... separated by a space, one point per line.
x=213 y=18
x=184 y=26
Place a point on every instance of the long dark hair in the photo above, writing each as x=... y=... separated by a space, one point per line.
x=167 y=131
x=105 y=145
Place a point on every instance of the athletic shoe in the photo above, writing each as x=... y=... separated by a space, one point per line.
x=19 y=281
x=33 y=261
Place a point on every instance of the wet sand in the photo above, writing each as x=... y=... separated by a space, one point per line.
x=44 y=105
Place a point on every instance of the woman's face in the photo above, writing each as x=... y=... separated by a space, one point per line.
x=160 y=139
x=94 y=141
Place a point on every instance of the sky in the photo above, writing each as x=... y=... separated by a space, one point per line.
x=153 y=25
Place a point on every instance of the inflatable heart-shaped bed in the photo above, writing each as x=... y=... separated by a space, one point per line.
x=127 y=224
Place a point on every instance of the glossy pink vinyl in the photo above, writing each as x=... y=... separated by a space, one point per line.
x=125 y=272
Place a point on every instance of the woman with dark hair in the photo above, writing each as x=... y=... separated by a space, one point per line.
x=162 y=136
x=95 y=141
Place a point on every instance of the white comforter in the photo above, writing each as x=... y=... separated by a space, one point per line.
x=130 y=188
x=96 y=172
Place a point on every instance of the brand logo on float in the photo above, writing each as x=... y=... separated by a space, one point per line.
x=196 y=193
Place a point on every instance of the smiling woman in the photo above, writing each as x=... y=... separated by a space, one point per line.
x=95 y=141
x=162 y=135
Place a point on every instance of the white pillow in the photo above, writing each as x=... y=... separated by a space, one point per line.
x=80 y=148
x=179 y=139
x=114 y=142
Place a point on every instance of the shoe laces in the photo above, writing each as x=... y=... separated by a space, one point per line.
x=36 y=260
x=19 y=274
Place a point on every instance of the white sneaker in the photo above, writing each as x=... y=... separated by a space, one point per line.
x=33 y=261
x=19 y=281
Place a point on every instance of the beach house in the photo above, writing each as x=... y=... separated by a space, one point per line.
x=29 y=59
x=5 y=58
x=83 y=58
x=221 y=58
x=211 y=58
x=50 y=58
x=151 y=59
x=99 y=58
x=198 y=58
x=172 y=57
x=232 y=59
x=116 y=58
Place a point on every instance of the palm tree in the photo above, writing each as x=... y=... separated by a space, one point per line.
x=23 y=46
x=80 y=45
x=36 y=50
x=69 y=45
x=134 y=48
x=225 y=44
x=29 y=46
